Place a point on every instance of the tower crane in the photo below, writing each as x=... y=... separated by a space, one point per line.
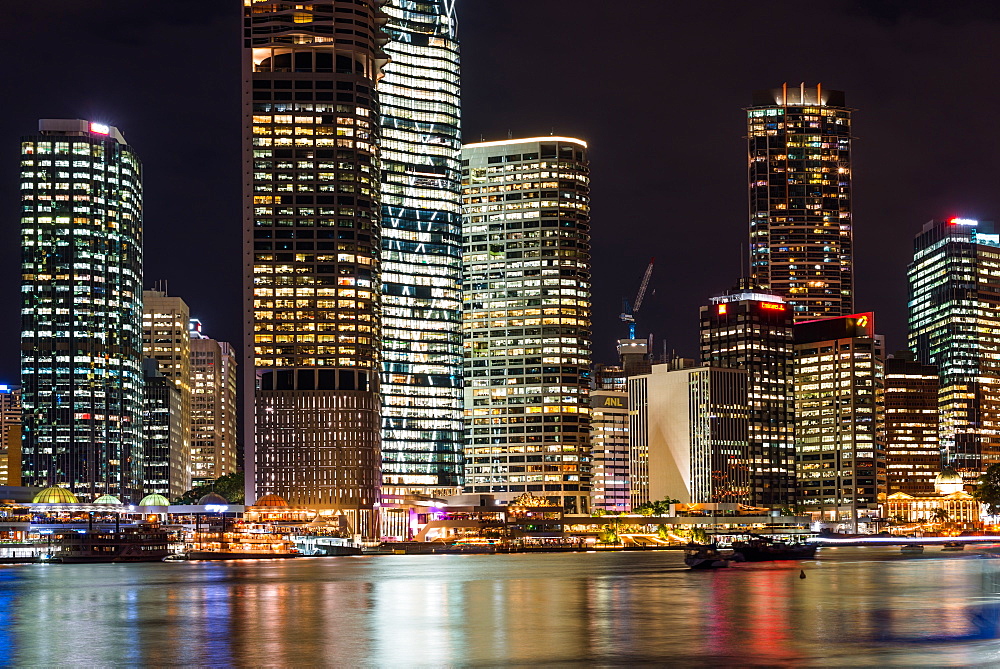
x=629 y=310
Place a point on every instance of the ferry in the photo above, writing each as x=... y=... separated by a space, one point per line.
x=137 y=543
x=238 y=541
x=762 y=549
x=709 y=557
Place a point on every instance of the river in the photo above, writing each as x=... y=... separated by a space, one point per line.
x=856 y=607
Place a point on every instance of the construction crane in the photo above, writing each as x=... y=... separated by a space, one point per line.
x=629 y=310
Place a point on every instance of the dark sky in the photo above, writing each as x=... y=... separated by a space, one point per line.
x=656 y=87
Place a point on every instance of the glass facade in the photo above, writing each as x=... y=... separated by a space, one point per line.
x=801 y=240
x=421 y=250
x=312 y=241
x=753 y=331
x=913 y=456
x=213 y=408
x=526 y=319
x=954 y=323
x=81 y=311
x=167 y=468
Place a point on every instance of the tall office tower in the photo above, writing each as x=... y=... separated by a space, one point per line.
x=753 y=331
x=421 y=251
x=10 y=435
x=213 y=409
x=688 y=434
x=609 y=450
x=312 y=244
x=912 y=453
x=954 y=323
x=81 y=310
x=165 y=338
x=801 y=247
x=168 y=466
x=526 y=320
x=839 y=448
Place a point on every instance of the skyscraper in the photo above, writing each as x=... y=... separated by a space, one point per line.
x=801 y=248
x=10 y=435
x=167 y=469
x=839 y=448
x=610 y=488
x=312 y=243
x=753 y=331
x=213 y=408
x=81 y=339
x=954 y=323
x=912 y=453
x=526 y=318
x=165 y=339
x=421 y=250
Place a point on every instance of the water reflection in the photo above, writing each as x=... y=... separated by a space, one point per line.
x=856 y=606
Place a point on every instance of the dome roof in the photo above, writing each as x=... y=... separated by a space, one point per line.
x=272 y=501
x=154 y=500
x=948 y=475
x=213 y=498
x=108 y=499
x=55 y=495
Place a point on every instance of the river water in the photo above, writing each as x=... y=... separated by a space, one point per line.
x=856 y=607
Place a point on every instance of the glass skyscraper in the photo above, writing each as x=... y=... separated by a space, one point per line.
x=954 y=323
x=526 y=319
x=799 y=170
x=312 y=222
x=81 y=310
x=421 y=250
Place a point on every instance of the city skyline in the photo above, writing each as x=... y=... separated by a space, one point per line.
x=897 y=188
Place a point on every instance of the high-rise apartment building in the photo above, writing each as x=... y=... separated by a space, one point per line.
x=165 y=339
x=421 y=250
x=840 y=451
x=10 y=435
x=753 y=331
x=526 y=319
x=312 y=242
x=801 y=248
x=688 y=435
x=81 y=311
x=954 y=323
x=912 y=453
x=167 y=468
x=213 y=408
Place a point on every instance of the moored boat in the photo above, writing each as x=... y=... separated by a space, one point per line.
x=911 y=549
x=708 y=557
x=762 y=549
x=139 y=543
x=239 y=541
x=953 y=546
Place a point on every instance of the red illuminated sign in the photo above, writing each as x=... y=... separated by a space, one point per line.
x=722 y=309
x=772 y=305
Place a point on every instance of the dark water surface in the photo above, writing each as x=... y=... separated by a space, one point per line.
x=857 y=607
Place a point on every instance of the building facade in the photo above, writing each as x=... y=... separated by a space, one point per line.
x=839 y=449
x=421 y=250
x=610 y=488
x=81 y=312
x=213 y=409
x=912 y=451
x=688 y=432
x=312 y=225
x=799 y=168
x=166 y=339
x=954 y=323
x=753 y=331
x=167 y=468
x=10 y=435
x=526 y=319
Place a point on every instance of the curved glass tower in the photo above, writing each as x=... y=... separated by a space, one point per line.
x=81 y=310
x=421 y=250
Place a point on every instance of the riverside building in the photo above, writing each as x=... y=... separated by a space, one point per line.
x=954 y=323
x=81 y=310
x=912 y=452
x=10 y=435
x=753 y=331
x=526 y=319
x=213 y=408
x=312 y=226
x=801 y=240
x=421 y=250
x=167 y=468
x=840 y=451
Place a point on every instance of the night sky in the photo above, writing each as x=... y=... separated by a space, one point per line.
x=656 y=87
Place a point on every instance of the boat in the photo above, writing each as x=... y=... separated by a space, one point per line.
x=953 y=546
x=912 y=549
x=708 y=557
x=137 y=543
x=234 y=540
x=762 y=549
